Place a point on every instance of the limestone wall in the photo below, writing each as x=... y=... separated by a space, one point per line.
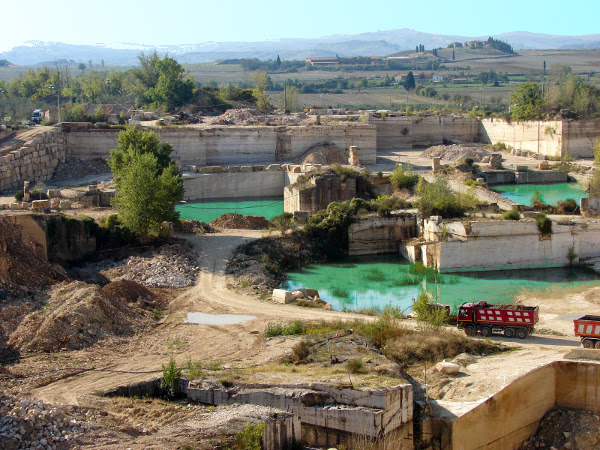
x=415 y=131
x=378 y=235
x=35 y=161
x=320 y=192
x=218 y=145
x=234 y=185
x=510 y=416
x=495 y=245
x=550 y=138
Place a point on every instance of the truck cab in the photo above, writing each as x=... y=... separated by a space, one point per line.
x=36 y=116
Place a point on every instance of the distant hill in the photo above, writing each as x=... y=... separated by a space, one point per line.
x=380 y=43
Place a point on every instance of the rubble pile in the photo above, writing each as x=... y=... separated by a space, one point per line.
x=239 y=221
x=325 y=153
x=76 y=316
x=238 y=117
x=563 y=428
x=172 y=265
x=455 y=152
x=193 y=226
x=29 y=424
x=77 y=168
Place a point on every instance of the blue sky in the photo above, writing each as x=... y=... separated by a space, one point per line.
x=187 y=22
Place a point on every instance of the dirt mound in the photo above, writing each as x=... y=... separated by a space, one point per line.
x=127 y=290
x=172 y=265
x=237 y=116
x=22 y=265
x=566 y=428
x=76 y=316
x=239 y=221
x=325 y=153
x=455 y=152
x=193 y=226
x=78 y=168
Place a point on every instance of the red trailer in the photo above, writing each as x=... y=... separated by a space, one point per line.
x=512 y=320
x=588 y=330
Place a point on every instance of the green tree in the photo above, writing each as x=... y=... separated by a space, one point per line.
x=438 y=198
x=289 y=99
x=410 y=83
x=146 y=189
x=262 y=83
x=135 y=141
x=173 y=87
x=527 y=102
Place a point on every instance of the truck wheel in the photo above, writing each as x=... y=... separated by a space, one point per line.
x=587 y=343
x=470 y=330
x=509 y=332
x=597 y=344
x=486 y=331
x=522 y=333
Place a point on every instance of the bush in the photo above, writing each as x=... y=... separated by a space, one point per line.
x=250 y=438
x=430 y=312
x=291 y=329
x=473 y=183
x=513 y=214
x=19 y=196
x=282 y=223
x=355 y=365
x=537 y=200
x=544 y=224
x=300 y=351
x=569 y=206
x=401 y=178
x=171 y=376
x=438 y=198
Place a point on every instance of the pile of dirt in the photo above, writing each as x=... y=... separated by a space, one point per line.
x=456 y=152
x=563 y=428
x=171 y=265
x=22 y=265
x=193 y=226
x=238 y=117
x=128 y=291
x=241 y=222
x=34 y=424
x=325 y=153
x=77 y=168
x=76 y=316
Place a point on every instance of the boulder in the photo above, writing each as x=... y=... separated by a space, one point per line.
x=447 y=368
x=283 y=296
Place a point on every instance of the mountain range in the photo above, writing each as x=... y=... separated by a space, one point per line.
x=380 y=43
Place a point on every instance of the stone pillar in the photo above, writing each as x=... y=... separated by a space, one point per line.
x=435 y=164
x=26 y=193
x=353 y=157
x=495 y=161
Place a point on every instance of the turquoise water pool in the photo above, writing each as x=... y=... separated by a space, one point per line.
x=209 y=210
x=551 y=193
x=362 y=283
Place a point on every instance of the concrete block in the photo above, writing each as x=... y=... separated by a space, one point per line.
x=544 y=165
x=53 y=193
x=15 y=205
x=447 y=368
x=211 y=169
x=192 y=169
x=283 y=296
x=40 y=204
x=55 y=203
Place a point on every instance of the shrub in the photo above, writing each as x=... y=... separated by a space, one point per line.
x=544 y=224
x=538 y=199
x=438 y=198
x=355 y=365
x=430 y=312
x=569 y=206
x=19 y=196
x=194 y=369
x=473 y=183
x=250 y=438
x=513 y=214
x=301 y=351
x=596 y=150
x=277 y=329
x=401 y=178
x=171 y=375
x=282 y=223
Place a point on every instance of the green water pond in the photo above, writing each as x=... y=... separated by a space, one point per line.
x=367 y=282
x=551 y=193
x=209 y=210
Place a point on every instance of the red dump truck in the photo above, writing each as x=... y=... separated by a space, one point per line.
x=512 y=320
x=588 y=330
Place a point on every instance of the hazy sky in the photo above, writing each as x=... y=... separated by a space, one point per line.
x=189 y=22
